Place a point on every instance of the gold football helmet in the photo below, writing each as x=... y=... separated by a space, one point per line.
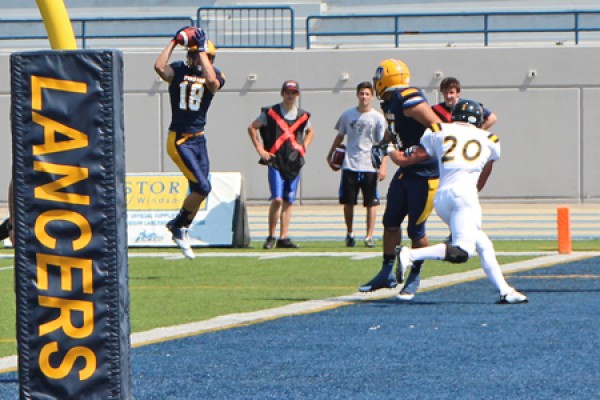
x=211 y=50
x=390 y=74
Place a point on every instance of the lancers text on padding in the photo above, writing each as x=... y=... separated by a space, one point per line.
x=65 y=277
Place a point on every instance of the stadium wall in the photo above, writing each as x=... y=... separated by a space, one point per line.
x=548 y=123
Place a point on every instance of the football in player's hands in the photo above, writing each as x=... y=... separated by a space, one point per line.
x=187 y=37
x=337 y=158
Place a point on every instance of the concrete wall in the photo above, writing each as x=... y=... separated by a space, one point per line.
x=548 y=125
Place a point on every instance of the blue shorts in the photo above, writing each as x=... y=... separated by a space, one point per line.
x=282 y=188
x=412 y=196
x=191 y=156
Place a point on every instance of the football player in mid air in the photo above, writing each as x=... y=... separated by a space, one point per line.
x=465 y=155
x=412 y=188
x=192 y=87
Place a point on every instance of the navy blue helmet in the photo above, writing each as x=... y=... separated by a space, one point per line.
x=468 y=111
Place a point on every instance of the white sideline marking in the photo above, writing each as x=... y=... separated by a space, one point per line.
x=8 y=363
x=233 y=320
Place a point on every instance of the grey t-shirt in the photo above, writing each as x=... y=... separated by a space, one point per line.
x=362 y=130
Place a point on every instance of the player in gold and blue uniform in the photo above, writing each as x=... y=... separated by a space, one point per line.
x=192 y=87
x=412 y=189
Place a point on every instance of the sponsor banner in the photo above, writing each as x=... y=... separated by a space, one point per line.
x=70 y=225
x=155 y=199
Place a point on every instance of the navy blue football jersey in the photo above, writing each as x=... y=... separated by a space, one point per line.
x=408 y=129
x=190 y=99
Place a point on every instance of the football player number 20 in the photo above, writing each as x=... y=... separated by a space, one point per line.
x=190 y=100
x=471 y=150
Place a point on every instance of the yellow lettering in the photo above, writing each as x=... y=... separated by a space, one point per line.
x=64 y=321
x=51 y=145
x=50 y=191
x=62 y=215
x=68 y=362
x=66 y=265
x=39 y=83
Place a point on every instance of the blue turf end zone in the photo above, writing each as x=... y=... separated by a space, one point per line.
x=450 y=343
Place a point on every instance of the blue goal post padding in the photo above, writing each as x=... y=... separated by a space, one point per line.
x=70 y=224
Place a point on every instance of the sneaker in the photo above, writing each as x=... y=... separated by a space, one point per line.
x=350 y=241
x=182 y=239
x=286 y=244
x=269 y=243
x=405 y=296
x=513 y=297
x=369 y=242
x=404 y=262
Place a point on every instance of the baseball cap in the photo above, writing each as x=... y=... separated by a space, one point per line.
x=290 y=85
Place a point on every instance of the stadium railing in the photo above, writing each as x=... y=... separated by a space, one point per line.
x=137 y=30
x=249 y=27
x=449 y=28
x=275 y=27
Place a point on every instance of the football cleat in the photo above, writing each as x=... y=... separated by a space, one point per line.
x=513 y=297
x=181 y=238
x=405 y=296
x=383 y=280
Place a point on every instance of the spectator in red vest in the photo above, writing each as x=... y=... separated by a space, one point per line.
x=450 y=88
x=285 y=134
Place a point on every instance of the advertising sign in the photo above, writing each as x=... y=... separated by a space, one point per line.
x=155 y=199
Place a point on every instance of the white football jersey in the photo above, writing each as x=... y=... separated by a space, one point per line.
x=461 y=150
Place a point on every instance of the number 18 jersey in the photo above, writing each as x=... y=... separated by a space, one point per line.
x=461 y=151
x=190 y=99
